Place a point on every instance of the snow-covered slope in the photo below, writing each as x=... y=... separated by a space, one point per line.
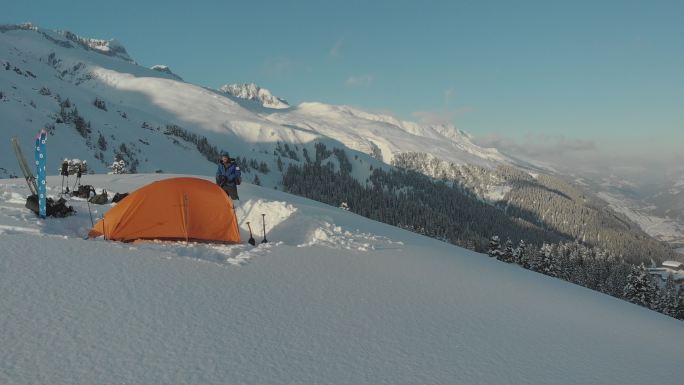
x=364 y=131
x=333 y=298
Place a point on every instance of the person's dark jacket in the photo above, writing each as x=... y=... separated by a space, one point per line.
x=228 y=177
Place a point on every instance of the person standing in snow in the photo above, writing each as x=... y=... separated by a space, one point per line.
x=228 y=175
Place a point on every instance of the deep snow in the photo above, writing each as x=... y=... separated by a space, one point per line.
x=334 y=298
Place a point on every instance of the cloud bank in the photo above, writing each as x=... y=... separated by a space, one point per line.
x=359 y=80
x=588 y=158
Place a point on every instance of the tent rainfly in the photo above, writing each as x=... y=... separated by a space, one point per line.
x=186 y=209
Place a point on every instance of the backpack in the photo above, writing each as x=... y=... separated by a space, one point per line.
x=83 y=191
x=118 y=197
x=100 y=199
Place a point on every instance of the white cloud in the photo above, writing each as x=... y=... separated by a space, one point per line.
x=449 y=94
x=359 y=80
x=540 y=146
x=435 y=117
x=445 y=116
x=336 y=50
x=586 y=157
x=278 y=66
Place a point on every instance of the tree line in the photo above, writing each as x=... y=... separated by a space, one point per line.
x=595 y=269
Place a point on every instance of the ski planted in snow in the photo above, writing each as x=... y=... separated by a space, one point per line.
x=41 y=157
x=23 y=165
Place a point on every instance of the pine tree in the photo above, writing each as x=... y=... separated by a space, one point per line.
x=102 y=143
x=119 y=167
x=256 y=180
x=526 y=255
x=668 y=303
x=545 y=262
x=679 y=312
x=99 y=103
x=519 y=252
x=507 y=254
x=494 y=249
x=641 y=288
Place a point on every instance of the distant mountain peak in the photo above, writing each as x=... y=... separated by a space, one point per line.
x=251 y=91
x=165 y=69
x=111 y=47
x=28 y=26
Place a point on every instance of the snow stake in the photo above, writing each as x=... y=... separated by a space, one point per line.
x=251 y=240
x=263 y=220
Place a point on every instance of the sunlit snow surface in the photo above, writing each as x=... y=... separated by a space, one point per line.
x=333 y=298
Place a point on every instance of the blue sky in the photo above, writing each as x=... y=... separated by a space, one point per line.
x=605 y=73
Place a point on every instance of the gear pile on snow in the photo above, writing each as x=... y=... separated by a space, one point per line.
x=57 y=209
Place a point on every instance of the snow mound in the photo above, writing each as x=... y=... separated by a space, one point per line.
x=250 y=212
x=335 y=237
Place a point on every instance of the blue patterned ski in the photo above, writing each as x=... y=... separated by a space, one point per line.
x=41 y=157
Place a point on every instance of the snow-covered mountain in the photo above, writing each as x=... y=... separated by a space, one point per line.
x=98 y=105
x=250 y=91
x=385 y=136
x=68 y=66
x=333 y=298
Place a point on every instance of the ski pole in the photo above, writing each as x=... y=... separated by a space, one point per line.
x=91 y=214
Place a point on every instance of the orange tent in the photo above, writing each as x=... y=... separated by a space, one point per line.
x=188 y=209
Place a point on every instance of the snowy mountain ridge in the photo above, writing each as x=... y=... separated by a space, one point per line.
x=364 y=131
x=250 y=91
x=111 y=47
x=148 y=98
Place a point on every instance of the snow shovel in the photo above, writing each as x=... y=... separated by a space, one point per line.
x=263 y=220
x=251 y=240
